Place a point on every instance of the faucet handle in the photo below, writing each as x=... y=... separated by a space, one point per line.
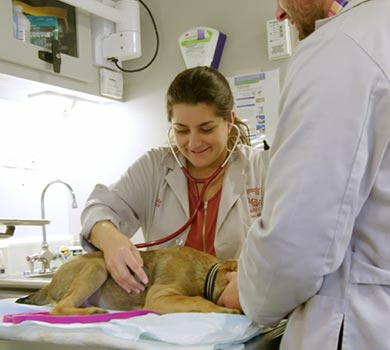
x=30 y=260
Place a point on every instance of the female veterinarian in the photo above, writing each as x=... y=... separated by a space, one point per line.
x=209 y=180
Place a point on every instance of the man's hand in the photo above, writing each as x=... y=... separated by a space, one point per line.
x=230 y=297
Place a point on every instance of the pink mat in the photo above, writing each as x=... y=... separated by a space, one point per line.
x=45 y=316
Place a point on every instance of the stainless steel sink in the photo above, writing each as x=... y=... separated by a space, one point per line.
x=41 y=275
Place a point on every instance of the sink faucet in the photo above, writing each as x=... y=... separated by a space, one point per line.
x=46 y=256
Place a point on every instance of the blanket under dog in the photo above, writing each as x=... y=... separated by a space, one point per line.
x=197 y=331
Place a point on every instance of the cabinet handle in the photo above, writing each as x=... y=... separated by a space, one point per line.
x=53 y=57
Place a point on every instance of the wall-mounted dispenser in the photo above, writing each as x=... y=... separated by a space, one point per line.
x=279 y=39
x=115 y=29
x=202 y=46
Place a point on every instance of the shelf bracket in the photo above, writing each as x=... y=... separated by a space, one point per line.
x=10 y=229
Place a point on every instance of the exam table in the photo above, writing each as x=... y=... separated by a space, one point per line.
x=266 y=341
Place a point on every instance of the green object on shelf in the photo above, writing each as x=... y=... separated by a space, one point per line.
x=43 y=30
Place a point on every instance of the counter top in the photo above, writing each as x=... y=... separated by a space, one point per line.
x=22 y=282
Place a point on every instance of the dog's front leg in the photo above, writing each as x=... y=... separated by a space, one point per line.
x=168 y=299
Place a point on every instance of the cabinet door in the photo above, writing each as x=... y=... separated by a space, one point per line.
x=76 y=63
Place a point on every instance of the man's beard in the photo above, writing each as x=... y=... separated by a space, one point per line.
x=305 y=16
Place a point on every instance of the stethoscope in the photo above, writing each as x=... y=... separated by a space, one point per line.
x=194 y=181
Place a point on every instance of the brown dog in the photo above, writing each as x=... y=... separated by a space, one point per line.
x=180 y=279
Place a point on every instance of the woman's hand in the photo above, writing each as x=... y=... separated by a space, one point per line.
x=123 y=260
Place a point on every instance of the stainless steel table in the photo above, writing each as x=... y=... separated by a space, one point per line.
x=267 y=341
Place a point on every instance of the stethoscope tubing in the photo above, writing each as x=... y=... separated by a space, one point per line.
x=200 y=196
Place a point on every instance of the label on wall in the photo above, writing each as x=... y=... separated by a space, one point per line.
x=279 y=39
x=111 y=83
x=256 y=98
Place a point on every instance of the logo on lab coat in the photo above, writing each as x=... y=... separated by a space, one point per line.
x=255 y=201
x=158 y=202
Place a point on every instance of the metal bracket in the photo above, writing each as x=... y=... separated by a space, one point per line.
x=53 y=57
x=8 y=233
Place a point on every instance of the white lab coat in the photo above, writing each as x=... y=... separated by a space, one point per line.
x=320 y=253
x=153 y=195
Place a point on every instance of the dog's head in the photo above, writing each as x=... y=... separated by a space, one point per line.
x=221 y=281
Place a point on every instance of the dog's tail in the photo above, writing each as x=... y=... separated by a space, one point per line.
x=37 y=298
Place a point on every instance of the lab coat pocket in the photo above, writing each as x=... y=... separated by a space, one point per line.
x=365 y=273
x=368 y=304
x=314 y=325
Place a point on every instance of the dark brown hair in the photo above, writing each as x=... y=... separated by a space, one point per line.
x=206 y=85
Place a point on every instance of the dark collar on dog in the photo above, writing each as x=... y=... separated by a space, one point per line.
x=210 y=281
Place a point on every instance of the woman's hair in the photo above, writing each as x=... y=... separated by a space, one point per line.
x=206 y=85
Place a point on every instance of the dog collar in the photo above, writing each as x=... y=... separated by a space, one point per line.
x=210 y=281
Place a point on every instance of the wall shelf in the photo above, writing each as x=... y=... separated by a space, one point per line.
x=11 y=223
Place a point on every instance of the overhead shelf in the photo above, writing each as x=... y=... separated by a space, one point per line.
x=11 y=223
x=25 y=222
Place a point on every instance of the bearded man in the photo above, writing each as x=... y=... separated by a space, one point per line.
x=319 y=254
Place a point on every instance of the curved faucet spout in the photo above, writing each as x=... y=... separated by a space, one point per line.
x=74 y=205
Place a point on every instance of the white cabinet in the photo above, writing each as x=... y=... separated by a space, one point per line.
x=20 y=58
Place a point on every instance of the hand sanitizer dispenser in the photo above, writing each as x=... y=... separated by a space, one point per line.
x=202 y=46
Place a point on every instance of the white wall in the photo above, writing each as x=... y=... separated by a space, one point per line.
x=95 y=143
x=244 y=23
x=87 y=145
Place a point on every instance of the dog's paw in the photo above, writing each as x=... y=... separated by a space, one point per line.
x=60 y=310
x=92 y=310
